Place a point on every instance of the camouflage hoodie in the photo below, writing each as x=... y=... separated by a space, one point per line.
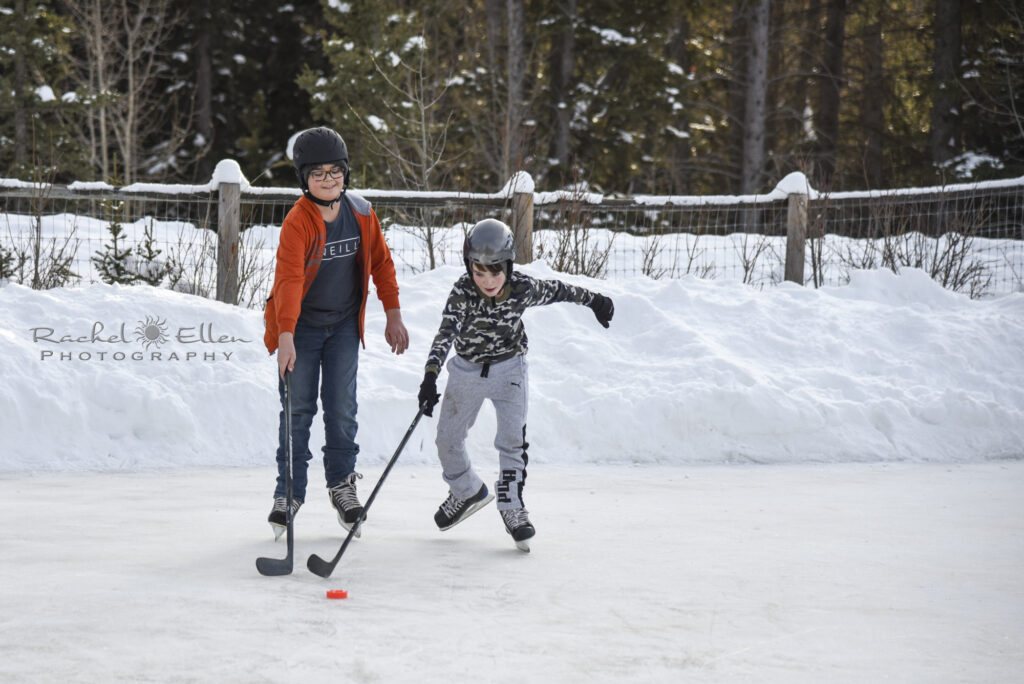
x=490 y=329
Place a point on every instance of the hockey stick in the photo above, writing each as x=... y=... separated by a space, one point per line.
x=283 y=566
x=316 y=564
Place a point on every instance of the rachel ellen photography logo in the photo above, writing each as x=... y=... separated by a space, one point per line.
x=152 y=331
x=151 y=338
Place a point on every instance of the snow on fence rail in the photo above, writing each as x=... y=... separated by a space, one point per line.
x=219 y=239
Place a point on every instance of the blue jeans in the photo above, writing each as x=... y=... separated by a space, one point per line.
x=335 y=351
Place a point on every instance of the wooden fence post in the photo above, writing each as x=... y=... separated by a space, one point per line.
x=228 y=199
x=522 y=226
x=520 y=188
x=796 y=237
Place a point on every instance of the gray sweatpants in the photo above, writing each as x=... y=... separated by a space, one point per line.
x=506 y=387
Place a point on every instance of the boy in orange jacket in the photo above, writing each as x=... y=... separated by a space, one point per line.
x=331 y=244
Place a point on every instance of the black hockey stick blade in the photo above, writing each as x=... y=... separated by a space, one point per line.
x=274 y=567
x=322 y=568
x=318 y=566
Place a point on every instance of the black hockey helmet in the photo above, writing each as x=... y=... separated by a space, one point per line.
x=489 y=242
x=314 y=147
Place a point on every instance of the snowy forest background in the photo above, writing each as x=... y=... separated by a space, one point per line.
x=666 y=97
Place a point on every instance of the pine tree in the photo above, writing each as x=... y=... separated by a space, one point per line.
x=33 y=63
x=993 y=78
x=241 y=68
x=7 y=260
x=113 y=262
x=150 y=270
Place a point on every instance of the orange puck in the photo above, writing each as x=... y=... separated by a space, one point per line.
x=337 y=593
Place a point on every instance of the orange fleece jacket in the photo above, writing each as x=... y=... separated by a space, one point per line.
x=299 y=252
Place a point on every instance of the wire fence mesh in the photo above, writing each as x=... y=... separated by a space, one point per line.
x=969 y=238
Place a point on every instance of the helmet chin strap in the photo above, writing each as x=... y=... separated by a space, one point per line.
x=323 y=203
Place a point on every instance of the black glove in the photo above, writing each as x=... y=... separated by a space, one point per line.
x=603 y=309
x=428 y=396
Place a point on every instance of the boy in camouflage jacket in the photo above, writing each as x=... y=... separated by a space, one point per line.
x=483 y=320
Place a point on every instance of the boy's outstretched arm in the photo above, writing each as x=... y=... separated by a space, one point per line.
x=603 y=308
x=541 y=292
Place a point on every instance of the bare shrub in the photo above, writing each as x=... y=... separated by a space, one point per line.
x=896 y=242
x=46 y=263
x=254 y=272
x=650 y=250
x=192 y=266
x=575 y=249
x=43 y=263
x=429 y=226
x=749 y=249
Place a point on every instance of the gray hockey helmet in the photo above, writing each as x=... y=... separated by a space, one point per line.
x=489 y=242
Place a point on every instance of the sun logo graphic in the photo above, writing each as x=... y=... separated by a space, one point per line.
x=152 y=331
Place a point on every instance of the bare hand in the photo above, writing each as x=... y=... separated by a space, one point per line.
x=395 y=333
x=285 y=353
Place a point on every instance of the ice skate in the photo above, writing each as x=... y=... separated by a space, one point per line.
x=278 y=517
x=517 y=524
x=346 y=503
x=455 y=510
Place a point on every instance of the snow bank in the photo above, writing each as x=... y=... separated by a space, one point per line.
x=889 y=368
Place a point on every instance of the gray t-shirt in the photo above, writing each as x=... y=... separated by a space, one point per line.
x=336 y=291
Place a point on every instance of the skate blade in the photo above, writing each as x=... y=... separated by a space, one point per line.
x=523 y=546
x=348 y=527
x=278 y=530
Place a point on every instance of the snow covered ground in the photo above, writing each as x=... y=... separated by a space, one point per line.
x=730 y=484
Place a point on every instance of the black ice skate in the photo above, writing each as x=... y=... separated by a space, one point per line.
x=454 y=510
x=517 y=523
x=346 y=503
x=278 y=517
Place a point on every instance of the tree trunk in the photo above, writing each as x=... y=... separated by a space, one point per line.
x=829 y=90
x=21 y=137
x=679 y=170
x=100 y=86
x=204 y=98
x=738 y=35
x=872 y=106
x=494 y=120
x=495 y=23
x=806 y=63
x=127 y=132
x=514 y=138
x=944 y=140
x=754 y=108
x=563 y=58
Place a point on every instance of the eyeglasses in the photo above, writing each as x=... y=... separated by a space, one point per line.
x=335 y=172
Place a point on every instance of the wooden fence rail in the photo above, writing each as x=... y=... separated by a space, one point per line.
x=793 y=213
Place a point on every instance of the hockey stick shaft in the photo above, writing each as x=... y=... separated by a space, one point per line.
x=283 y=566
x=316 y=564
